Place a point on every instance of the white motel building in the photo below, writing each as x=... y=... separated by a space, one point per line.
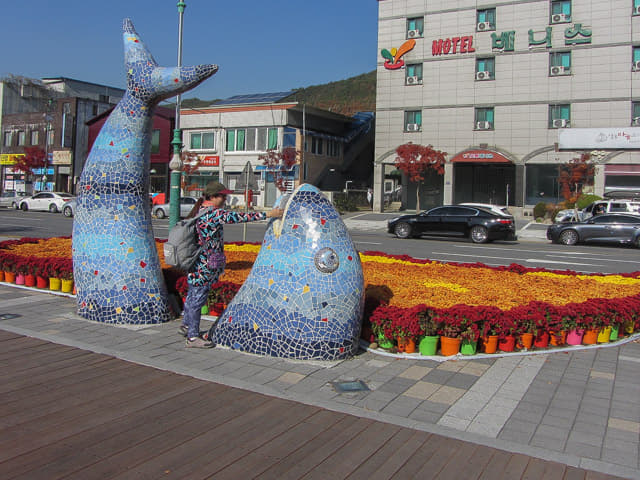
x=510 y=90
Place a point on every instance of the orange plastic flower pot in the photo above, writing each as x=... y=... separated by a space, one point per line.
x=1 y=275
x=558 y=338
x=9 y=277
x=590 y=337
x=449 y=346
x=526 y=340
x=490 y=344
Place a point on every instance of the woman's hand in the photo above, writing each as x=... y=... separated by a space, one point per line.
x=275 y=213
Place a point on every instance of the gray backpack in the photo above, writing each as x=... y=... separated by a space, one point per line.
x=181 y=250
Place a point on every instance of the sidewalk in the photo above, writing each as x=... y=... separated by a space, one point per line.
x=578 y=409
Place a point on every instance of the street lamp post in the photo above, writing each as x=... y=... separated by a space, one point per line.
x=176 y=163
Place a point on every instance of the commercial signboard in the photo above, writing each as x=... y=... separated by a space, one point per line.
x=599 y=138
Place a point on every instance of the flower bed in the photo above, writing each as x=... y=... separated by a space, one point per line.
x=410 y=298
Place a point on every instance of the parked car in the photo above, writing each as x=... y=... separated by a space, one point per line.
x=11 y=199
x=186 y=204
x=479 y=224
x=599 y=207
x=494 y=208
x=618 y=228
x=69 y=208
x=45 y=201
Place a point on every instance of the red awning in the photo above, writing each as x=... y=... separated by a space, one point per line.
x=480 y=156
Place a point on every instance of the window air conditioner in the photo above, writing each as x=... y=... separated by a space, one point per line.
x=413 y=33
x=559 y=70
x=636 y=10
x=483 y=125
x=482 y=26
x=413 y=127
x=636 y=122
x=483 y=75
x=413 y=80
x=559 y=18
x=636 y=66
x=560 y=123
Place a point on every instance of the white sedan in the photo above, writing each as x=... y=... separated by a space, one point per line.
x=186 y=204
x=45 y=201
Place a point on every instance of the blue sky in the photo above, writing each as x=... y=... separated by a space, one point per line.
x=260 y=45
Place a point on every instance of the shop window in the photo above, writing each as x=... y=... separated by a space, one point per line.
x=560 y=11
x=559 y=63
x=202 y=141
x=542 y=184
x=22 y=137
x=35 y=137
x=155 y=141
x=635 y=61
x=415 y=27
x=635 y=114
x=486 y=20
x=413 y=74
x=485 y=68
x=559 y=116
x=484 y=119
x=413 y=121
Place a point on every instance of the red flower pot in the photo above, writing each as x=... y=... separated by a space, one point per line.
x=542 y=340
x=29 y=280
x=507 y=344
x=216 y=309
x=42 y=282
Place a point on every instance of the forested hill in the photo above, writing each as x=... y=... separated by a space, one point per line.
x=355 y=94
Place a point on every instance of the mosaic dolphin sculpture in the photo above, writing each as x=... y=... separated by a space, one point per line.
x=304 y=296
x=115 y=263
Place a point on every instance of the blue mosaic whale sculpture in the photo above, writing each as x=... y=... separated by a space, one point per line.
x=115 y=262
x=304 y=296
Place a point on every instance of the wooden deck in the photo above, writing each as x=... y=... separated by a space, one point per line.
x=69 y=413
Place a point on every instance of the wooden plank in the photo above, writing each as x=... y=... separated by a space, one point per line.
x=496 y=465
x=538 y=468
x=516 y=466
x=413 y=465
x=468 y=462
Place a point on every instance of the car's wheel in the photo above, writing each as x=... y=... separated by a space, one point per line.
x=14 y=205
x=53 y=208
x=67 y=211
x=569 y=237
x=402 y=230
x=479 y=234
x=24 y=207
x=160 y=213
x=637 y=242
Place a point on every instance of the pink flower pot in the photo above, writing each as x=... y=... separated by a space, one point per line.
x=574 y=337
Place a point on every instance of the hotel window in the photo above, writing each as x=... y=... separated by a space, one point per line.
x=316 y=145
x=35 y=137
x=202 y=141
x=559 y=63
x=486 y=20
x=415 y=27
x=7 y=139
x=22 y=137
x=636 y=7
x=484 y=119
x=155 y=141
x=413 y=74
x=413 y=121
x=559 y=116
x=485 y=68
x=635 y=114
x=635 y=64
x=560 y=11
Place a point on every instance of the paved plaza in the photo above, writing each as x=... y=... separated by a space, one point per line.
x=578 y=408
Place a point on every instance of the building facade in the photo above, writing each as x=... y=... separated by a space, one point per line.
x=50 y=114
x=510 y=90
x=229 y=138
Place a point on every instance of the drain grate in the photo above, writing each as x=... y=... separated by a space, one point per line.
x=355 y=386
x=8 y=316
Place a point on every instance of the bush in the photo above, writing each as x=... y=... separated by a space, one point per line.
x=344 y=203
x=585 y=200
x=539 y=210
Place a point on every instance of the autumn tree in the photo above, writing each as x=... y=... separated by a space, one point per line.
x=34 y=158
x=190 y=165
x=416 y=160
x=574 y=175
x=279 y=163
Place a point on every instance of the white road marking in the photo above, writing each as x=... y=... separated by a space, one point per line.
x=530 y=260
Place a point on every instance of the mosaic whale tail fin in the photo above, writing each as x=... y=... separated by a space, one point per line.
x=151 y=83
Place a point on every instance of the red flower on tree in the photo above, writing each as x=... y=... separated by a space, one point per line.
x=34 y=158
x=574 y=175
x=278 y=163
x=415 y=160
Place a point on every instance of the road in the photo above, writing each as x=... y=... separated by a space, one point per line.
x=369 y=234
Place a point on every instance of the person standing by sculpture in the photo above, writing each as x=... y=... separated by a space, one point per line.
x=210 y=265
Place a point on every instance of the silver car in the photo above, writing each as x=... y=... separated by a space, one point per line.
x=186 y=204
x=11 y=199
x=45 y=201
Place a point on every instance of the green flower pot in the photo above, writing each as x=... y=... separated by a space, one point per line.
x=468 y=347
x=204 y=310
x=428 y=345
x=614 y=332
x=384 y=342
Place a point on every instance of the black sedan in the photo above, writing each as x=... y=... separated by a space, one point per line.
x=615 y=228
x=479 y=224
